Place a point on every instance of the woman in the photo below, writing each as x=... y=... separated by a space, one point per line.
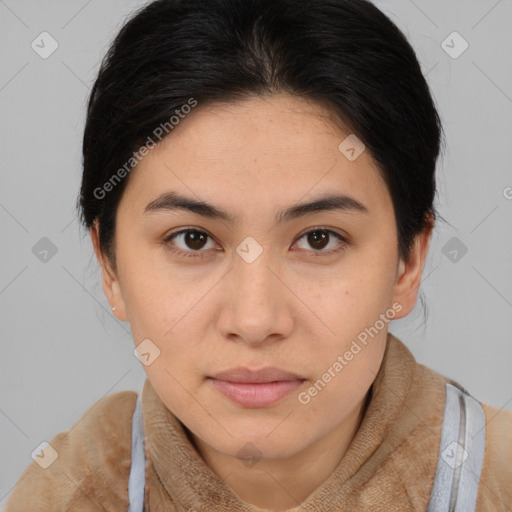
x=259 y=178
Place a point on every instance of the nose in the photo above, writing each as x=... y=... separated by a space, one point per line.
x=259 y=306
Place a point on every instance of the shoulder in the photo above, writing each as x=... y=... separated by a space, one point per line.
x=497 y=466
x=499 y=430
x=425 y=404
x=91 y=463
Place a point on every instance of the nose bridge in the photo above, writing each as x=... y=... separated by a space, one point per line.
x=257 y=307
x=253 y=279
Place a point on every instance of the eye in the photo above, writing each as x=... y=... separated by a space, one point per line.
x=192 y=241
x=319 y=238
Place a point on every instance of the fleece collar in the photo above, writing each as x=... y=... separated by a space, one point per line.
x=401 y=425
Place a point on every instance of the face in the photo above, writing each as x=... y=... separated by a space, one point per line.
x=255 y=287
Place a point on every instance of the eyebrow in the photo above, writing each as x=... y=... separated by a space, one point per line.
x=172 y=201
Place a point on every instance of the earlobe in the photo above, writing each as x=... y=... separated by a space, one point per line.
x=116 y=297
x=110 y=281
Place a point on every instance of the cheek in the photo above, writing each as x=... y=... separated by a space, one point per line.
x=357 y=310
x=371 y=279
x=345 y=370
x=352 y=302
x=154 y=301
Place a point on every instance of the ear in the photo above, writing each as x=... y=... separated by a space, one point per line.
x=410 y=271
x=109 y=279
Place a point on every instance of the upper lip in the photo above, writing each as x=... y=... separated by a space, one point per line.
x=269 y=374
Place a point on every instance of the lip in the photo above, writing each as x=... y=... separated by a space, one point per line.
x=246 y=375
x=256 y=388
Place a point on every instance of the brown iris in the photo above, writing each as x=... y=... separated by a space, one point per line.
x=318 y=239
x=195 y=239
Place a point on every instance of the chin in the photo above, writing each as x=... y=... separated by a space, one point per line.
x=255 y=442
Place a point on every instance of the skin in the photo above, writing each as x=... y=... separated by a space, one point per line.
x=288 y=308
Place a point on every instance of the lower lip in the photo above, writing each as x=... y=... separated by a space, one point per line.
x=256 y=395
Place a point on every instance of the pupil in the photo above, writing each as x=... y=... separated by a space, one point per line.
x=192 y=239
x=318 y=242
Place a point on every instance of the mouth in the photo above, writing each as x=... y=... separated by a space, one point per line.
x=256 y=389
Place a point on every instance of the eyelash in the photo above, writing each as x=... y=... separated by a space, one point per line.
x=197 y=254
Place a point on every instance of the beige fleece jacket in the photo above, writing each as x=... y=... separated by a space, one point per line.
x=389 y=466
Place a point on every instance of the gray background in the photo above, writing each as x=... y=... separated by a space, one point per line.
x=61 y=348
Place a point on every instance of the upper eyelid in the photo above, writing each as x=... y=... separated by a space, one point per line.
x=185 y=230
x=323 y=228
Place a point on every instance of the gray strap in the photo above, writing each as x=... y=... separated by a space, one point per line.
x=137 y=480
x=461 y=454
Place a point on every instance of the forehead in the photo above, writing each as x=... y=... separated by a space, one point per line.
x=259 y=150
